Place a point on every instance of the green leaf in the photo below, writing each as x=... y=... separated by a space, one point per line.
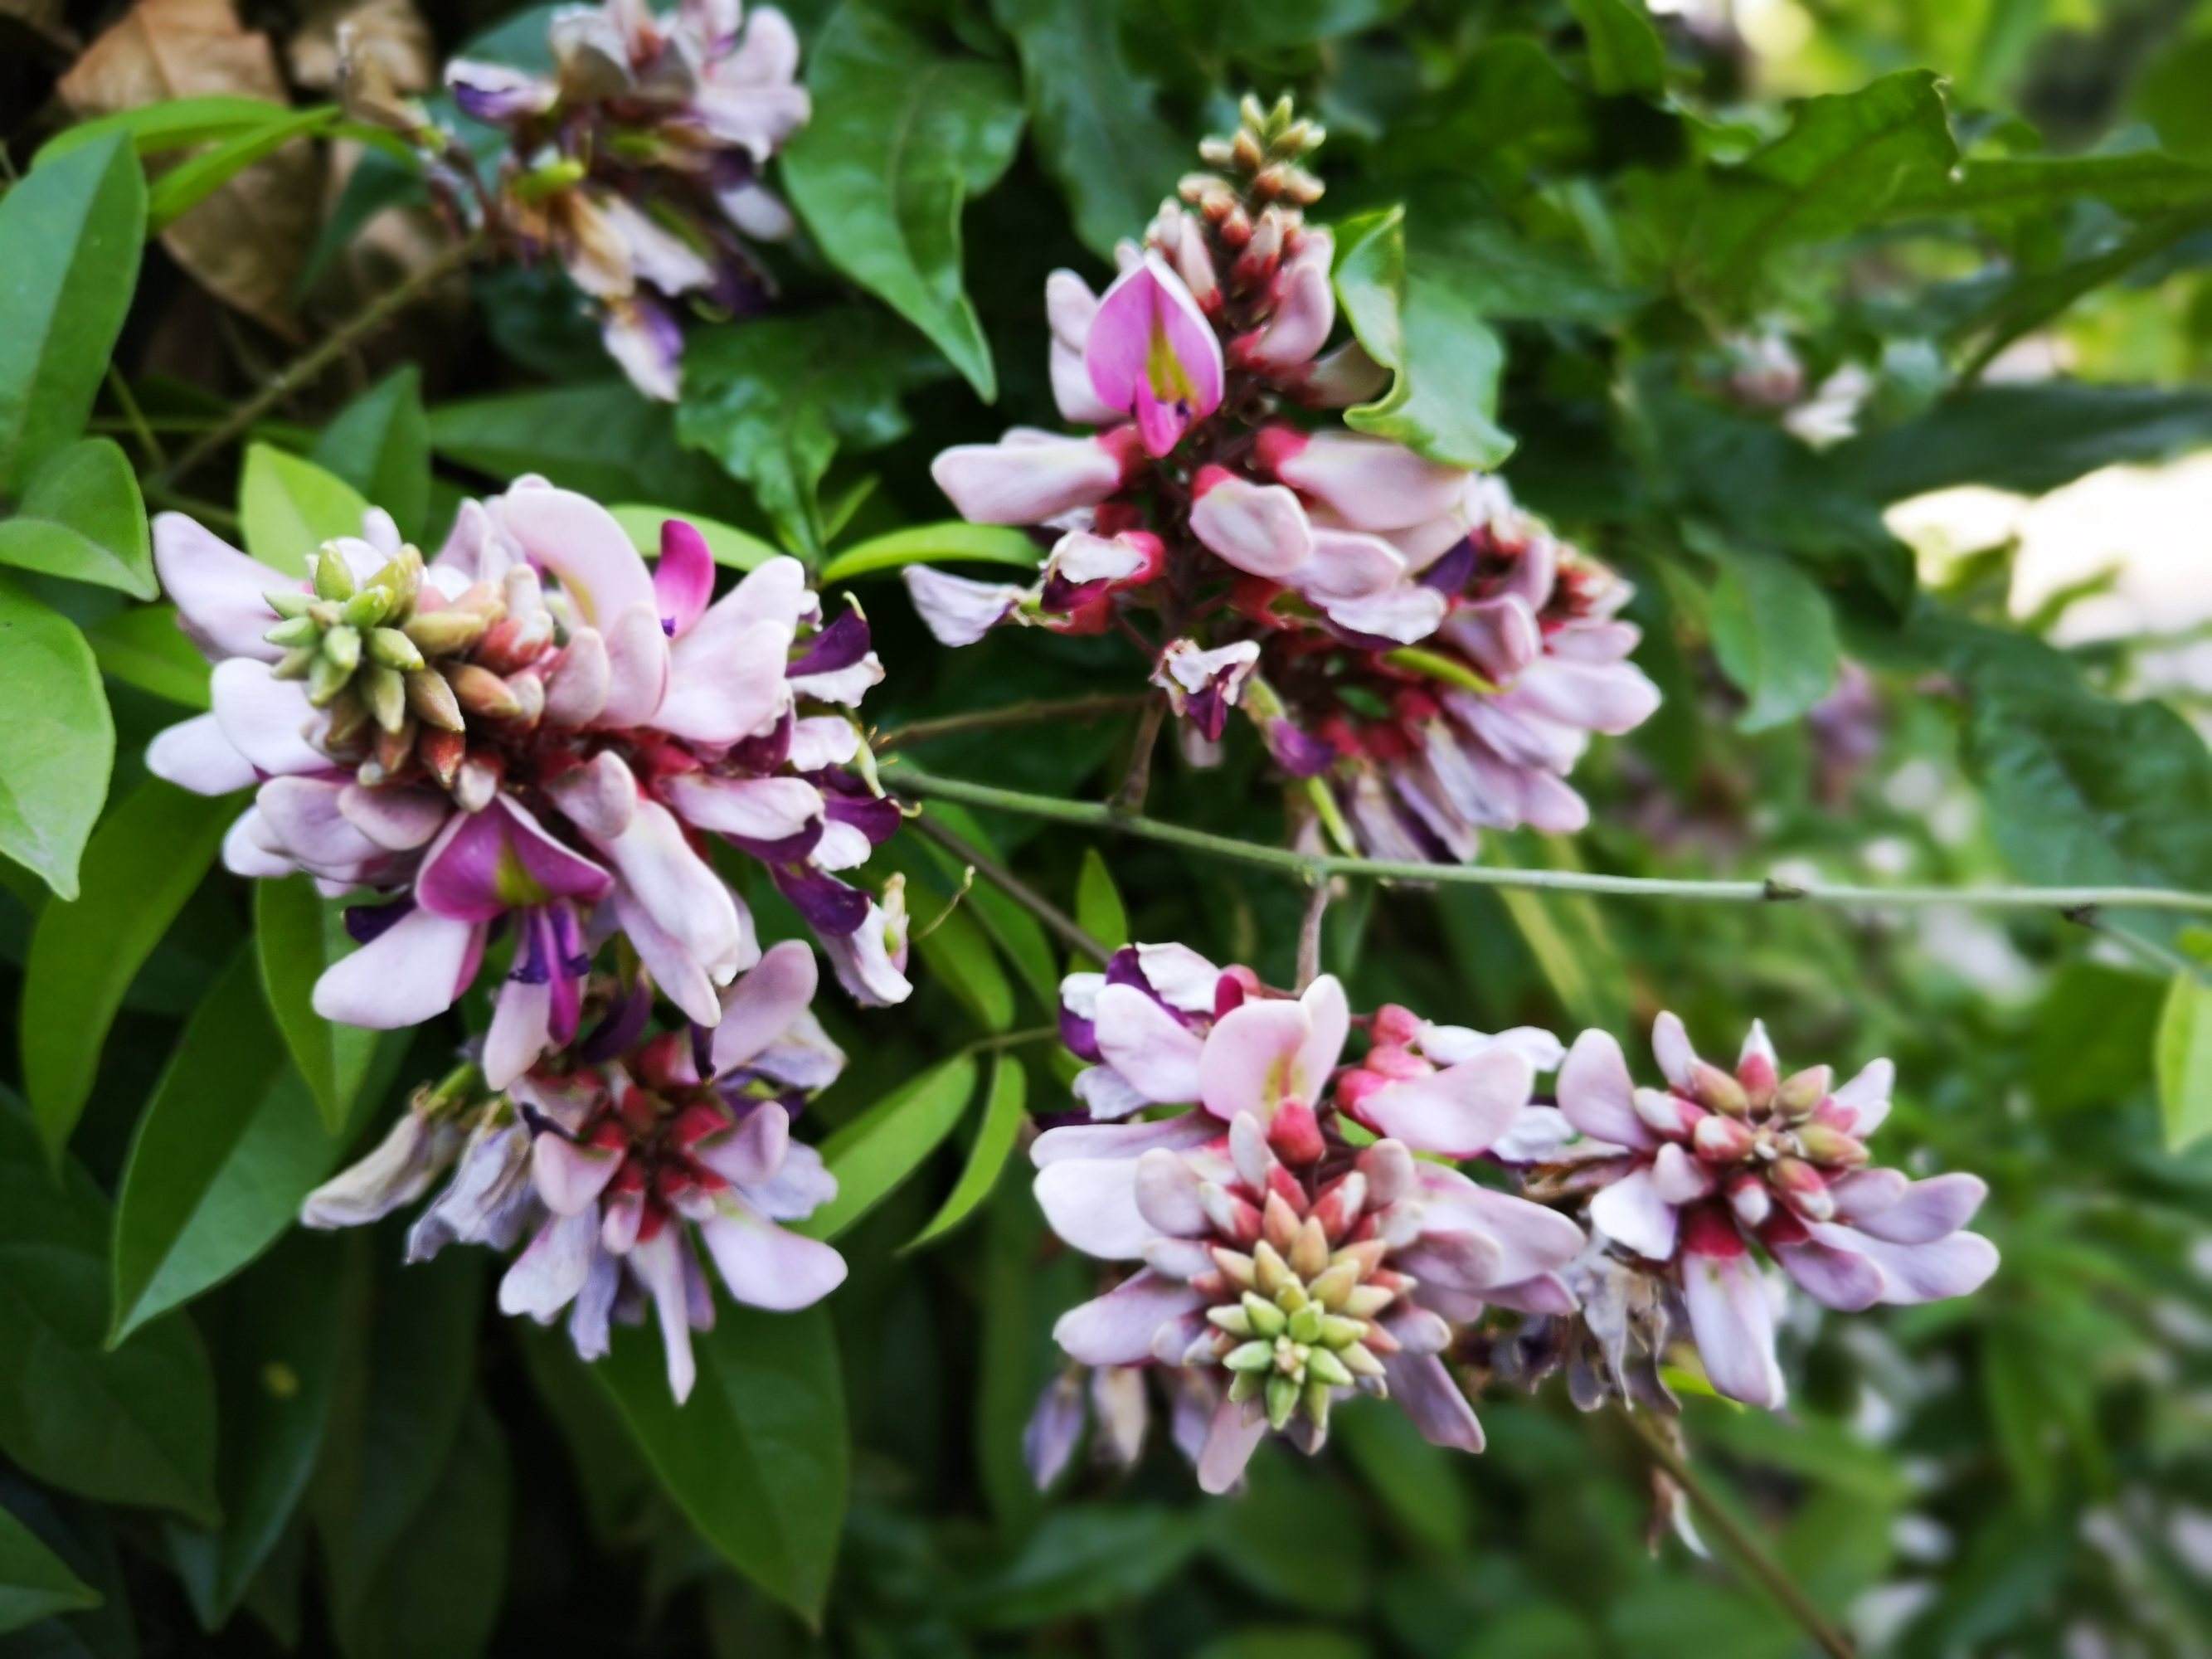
x=73 y=230
x=1775 y=637
x=1003 y=1108
x=173 y=124
x=1844 y=159
x=1099 y=908
x=229 y=1144
x=132 y=1425
x=139 y=870
x=958 y=956
x=80 y=516
x=1085 y=1560
x=2026 y=438
x=143 y=648
x=2182 y=1057
x=188 y=184
x=901 y=138
x=35 y=1583
x=1098 y=128
x=1445 y=408
x=604 y=440
x=287 y=508
x=297 y=935
x=732 y=549
x=1625 y=52
x=379 y=443
x=1418 y=1483
x=934 y=543
x=876 y=1150
x=1018 y=935
x=56 y=747
x=772 y=400
x=274 y=1335
x=2137 y=181
x=757 y=1458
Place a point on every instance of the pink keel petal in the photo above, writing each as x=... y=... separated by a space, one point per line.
x=1155 y=1052
x=752 y=1153
x=1249 y=1057
x=753 y=809
x=412 y=970
x=1632 y=1212
x=638 y=668
x=1458 y=1111
x=580 y=543
x=1596 y=1094
x=1838 y=1279
x=1533 y=1239
x=1091 y=1203
x=726 y=686
x=763 y=1005
x=766 y=1267
x=1259 y=528
x=1116 y=1328
x=684 y=577
x=1927 y=1210
x=1734 y=1328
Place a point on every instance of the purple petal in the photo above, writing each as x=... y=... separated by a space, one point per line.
x=1116 y=1328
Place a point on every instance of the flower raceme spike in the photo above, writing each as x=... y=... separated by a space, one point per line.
x=609 y=1157
x=1392 y=625
x=637 y=164
x=1687 y=1181
x=1295 y=1250
x=575 y=728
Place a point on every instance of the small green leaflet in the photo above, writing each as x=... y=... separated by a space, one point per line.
x=1003 y=1108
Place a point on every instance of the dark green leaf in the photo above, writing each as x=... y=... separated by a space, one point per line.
x=228 y=1145
x=756 y=1457
x=139 y=870
x=1018 y=935
x=874 y=1153
x=1844 y=159
x=144 y=648
x=274 y=1337
x=1003 y=1108
x=34 y=1582
x=73 y=231
x=57 y=745
x=1775 y=638
x=2137 y=181
x=1446 y=359
x=1419 y=1483
x=131 y=1426
x=2183 y=1058
x=287 y=508
x=80 y=516
x=934 y=543
x=1625 y=52
x=959 y=957
x=379 y=443
x=1097 y=123
x=1099 y=908
x=604 y=440
x=901 y=138
x=1084 y=1561
x=297 y=934
x=773 y=399
x=2027 y=438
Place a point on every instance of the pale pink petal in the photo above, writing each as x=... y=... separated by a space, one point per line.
x=725 y=686
x=1842 y=1280
x=582 y=680
x=1121 y=1141
x=1457 y=1112
x=548 y=1275
x=1532 y=1239
x=582 y=544
x=1670 y=1047
x=1867 y=1096
x=397 y=818
x=1027 y=482
x=639 y=666
x=1370 y=484
x=1091 y=1203
x=1677 y=1177
x=658 y=1263
x=1116 y=1328
x=1954 y=1265
x=1247 y=1057
x=521 y=1030
x=569 y=1176
x=1167 y=1194
x=1926 y=1209
x=1258 y=528
x=267 y=719
x=678 y=890
x=412 y=970
x=765 y=1265
x=1304 y=308
x=218 y=590
x=764 y=1004
x=956 y=610
x=1596 y=1093
x=195 y=754
x=1439 y=1408
x=1733 y=1325
x=1236 y=1429
x=1630 y=1213
x=1328 y=1022
x=753 y=809
x=1155 y=1052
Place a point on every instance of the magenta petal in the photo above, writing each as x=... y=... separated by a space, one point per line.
x=684 y=577
x=1116 y=1328
x=1151 y=354
x=485 y=863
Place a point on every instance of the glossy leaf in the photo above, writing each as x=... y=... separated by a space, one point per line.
x=35 y=1583
x=875 y=1151
x=773 y=400
x=228 y=1145
x=733 y=549
x=1004 y=1106
x=274 y=1335
x=1775 y=638
x=901 y=138
x=287 y=508
x=949 y=542
x=139 y=870
x=58 y=743
x=134 y=1425
x=1446 y=359
x=73 y=229
x=379 y=443
x=1099 y=127
x=2183 y=1061
x=757 y=1458
x=1099 y=908
x=297 y=934
x=80 y=516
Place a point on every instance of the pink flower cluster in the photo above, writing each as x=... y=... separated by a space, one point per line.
x=637 y=165
x=1301 y=1234
x=536 y=742
x=601 y=1156
x=1393 y=626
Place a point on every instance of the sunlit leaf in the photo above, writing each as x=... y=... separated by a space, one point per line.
x=878 y=1150
x=56 y=745
x=1003 y=1109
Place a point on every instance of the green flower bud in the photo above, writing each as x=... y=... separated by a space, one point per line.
x=367 y=608
x=433 y=700
x=294 y=632
x=392 y=648
x=1267 y=1319
x=386 y=693
x=1250 y=1357
x=294 y=663
x=326 y=678
x=342 y=646
x=1282 y=1400
x=333 y=576
x=286 y=602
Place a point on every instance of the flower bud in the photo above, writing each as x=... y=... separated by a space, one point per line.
x=341 y=645
x=1748 y=1197
x=327 y=676
x=443 y=632
x=333 y=576
x=295 y=632
x=433 y=700
x=1804 y=1187
x=386 y=694
x=1802 y=1092
x=1717 y=1090
x=1720 y=1139
x=287 y=602
x=367 y=608
x=394 y=649
x=480 y=691
x=1826 y=1144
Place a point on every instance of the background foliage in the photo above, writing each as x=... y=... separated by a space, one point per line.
x=2000 y=212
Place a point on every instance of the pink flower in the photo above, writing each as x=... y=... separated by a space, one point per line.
x=1152 y=355
x=1691 y=1177
x=1302 y=1266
